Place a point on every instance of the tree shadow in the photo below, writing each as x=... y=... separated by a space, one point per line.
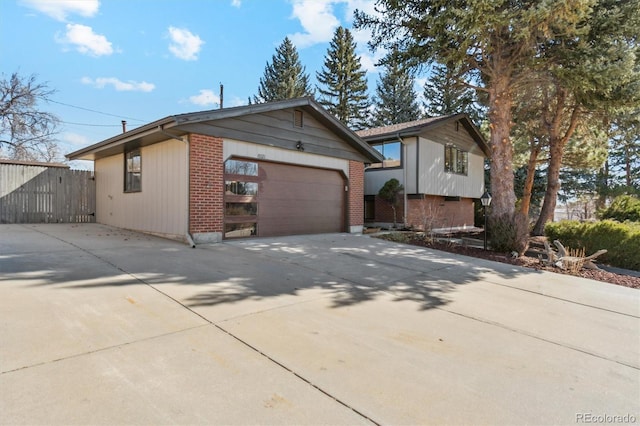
x=342 y=268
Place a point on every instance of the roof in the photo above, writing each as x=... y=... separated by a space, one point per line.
x=172 y=126
x=414 y=128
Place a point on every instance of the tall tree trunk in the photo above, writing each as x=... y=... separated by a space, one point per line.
x=500 y=116
x=557 y=143
x=556 y=150
x=525 y=205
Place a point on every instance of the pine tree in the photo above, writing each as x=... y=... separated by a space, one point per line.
x=496 y=40
x=396 y=100
x=444 y=95
x=284 y=77
x=344 y=85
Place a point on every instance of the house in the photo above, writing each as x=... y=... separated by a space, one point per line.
x=279 y=168
x=440 y=163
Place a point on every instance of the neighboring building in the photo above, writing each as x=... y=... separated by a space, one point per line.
x=440 y=163
x=278 y=168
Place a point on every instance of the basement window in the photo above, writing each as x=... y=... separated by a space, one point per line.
x=133 y=171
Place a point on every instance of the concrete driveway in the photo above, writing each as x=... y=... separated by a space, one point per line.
x=104 y=326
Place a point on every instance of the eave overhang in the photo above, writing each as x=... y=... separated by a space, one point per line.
x=178 y=125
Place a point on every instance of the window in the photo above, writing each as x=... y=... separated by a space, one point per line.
x=133 y=171
x=241 y=188
x=391 y=152
x=241 y=209
x=239 y=230
x=238 y=167
x=455 y=160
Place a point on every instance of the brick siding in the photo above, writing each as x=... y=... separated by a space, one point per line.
x=431 y=211
x=206 y=186
x=434 y=212
x=356 y=193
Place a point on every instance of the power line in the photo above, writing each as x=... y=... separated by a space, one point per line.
x=93 y=110
x=90 y=125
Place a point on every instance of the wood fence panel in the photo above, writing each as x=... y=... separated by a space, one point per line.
x=39 y=194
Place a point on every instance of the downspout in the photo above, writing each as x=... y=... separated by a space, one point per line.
x=187 y=235
x=404 y=180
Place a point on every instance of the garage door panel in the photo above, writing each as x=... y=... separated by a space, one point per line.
x=300 y=200
x=290 y=200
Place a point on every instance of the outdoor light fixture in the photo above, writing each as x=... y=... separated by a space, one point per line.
x=299 y=146
x=486 y=201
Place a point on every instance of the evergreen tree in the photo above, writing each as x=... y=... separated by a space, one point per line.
x=284 y=77
x=624 y=152
x=444 y=95
x=497 y=40
x=343 y=87
x=591 y=74
x=396 y=100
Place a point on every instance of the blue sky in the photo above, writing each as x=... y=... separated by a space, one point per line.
x=142 y=60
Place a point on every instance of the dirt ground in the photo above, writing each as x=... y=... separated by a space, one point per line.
x=529 y=260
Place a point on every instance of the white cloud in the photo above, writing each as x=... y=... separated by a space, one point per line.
x=205 y=98
x=236 y=3
x=317 y=20
x=59 y=9
x=85 y=40
x=119 y=85
x=74 y=139
x=184 y=44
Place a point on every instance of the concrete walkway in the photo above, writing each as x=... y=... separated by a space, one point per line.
x=104 y=326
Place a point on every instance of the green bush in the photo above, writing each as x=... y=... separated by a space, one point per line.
x=622 y=240
x=508 y=233
x=623 y=208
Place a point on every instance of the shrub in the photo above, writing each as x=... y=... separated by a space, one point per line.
x=623 y=208
x=508 y=233
x=622 y=240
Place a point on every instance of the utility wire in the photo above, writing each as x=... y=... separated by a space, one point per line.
x=93 y=110
x=91 y=125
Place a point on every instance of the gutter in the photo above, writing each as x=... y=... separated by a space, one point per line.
x=404 y=178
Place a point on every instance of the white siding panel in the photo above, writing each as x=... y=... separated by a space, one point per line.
x=375 y=179
x=262 y=152
x=434 y=180
x=161 y=206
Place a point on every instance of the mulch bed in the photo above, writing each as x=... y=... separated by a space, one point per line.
x=529 y=260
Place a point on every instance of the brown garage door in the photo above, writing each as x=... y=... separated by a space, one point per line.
x=288 y=200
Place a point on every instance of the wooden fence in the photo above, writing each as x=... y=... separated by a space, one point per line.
x=37 y=193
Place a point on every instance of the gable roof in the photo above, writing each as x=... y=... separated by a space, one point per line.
x=178 y=125
x=414 y=128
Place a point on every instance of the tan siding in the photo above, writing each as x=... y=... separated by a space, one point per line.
x=434 y=180
x=161 y=206
x=261 y=152
x=447 y=133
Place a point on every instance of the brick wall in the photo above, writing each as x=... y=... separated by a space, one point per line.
x=356 y=193
x=431 y=211
x=434 y=212
x=206 y=168
x=384 y=212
